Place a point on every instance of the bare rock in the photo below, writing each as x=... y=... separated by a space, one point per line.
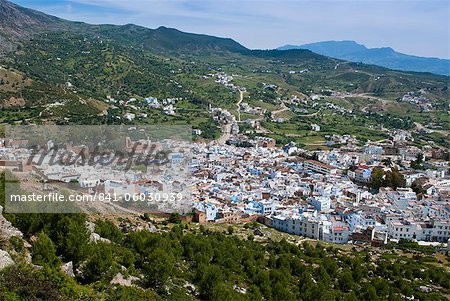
x=425 y=289
x=121 y=280
x=90 y=226
x=5 y=260
x=67 y=269
x=94 y=237
x=6 y=228
x=137 y=226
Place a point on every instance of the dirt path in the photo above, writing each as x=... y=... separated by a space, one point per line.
x=226 y=135
x=226 y=129
x=241 y=97
x=420 y=126
x=283 y=109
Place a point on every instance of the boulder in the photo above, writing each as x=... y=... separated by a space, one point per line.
x=90 y=226
x=5 y=260
x=6 y=228
x=67 y=269
x=121 y=280
x=94 y=237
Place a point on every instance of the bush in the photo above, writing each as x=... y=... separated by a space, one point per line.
x=44 y=251
x=26 y=283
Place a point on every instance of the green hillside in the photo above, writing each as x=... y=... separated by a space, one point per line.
x=78 y=65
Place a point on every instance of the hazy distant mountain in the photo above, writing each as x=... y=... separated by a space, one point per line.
x=385 y=57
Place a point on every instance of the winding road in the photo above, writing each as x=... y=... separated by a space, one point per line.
x=241 y=98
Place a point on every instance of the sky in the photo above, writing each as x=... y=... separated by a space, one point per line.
x=417 y=27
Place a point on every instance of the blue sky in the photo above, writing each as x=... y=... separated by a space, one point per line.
x=419 y=27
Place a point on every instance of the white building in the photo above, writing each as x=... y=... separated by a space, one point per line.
x=401 y=197
x=320 y=203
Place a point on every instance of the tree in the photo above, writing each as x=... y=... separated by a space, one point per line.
x=418 y=163
x=368 y=292
x=100 y=264
x=388 y=179
x=223 y=291
x=72 y=238
x=254 y=293
x=27 y=283
x=387 y=162
x=417 y=187
x=158 y=267
x=392 y=178
x=44 y=251
x=346 y=281
x=211 y=276
x=230 y=229
x=377 y=178
x=419 y=158
x=398 y=180
x=281 y=292
x=107 y=229
x=125 y=293
x=175 y=218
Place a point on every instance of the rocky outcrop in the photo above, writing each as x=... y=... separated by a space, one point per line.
x=137 y=226
x=119 y=279
x=6 y=228
x=67 y=269
x=94 y=237
x=5 y=260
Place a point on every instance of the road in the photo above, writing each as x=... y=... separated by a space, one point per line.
x=241 y=98
x=283 y=109
x=226 y=134
x=226 y=129
x=338 y=64
x=420 y=126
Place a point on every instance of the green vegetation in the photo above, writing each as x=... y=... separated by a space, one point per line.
x=418 y=163
x=392 y=178
x=210 y=129
x=131 y=61
x=220 y=266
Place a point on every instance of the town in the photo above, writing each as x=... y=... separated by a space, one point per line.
x=379 y=192
x=371 y=194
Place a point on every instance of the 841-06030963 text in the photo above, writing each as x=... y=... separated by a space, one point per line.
x=163 y=197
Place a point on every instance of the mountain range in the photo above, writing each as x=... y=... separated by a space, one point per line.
x=46 y=60
x=18 y=24
x=385 y=56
